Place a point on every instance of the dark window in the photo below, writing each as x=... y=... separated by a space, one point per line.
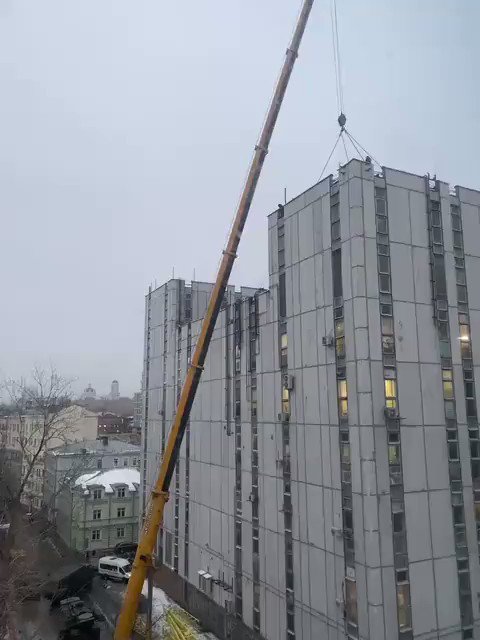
x=439 y=275
x=437 y=235
x=351 y=601
x=384 y=281
x=456 y=222
x=436 y=220
x=334 y=213
x=382 y=225
x=457 y=239
x=461 y=293
x=383 y=264
x=282 y=296
x=398 y=520
x=461 y=276
x=336 y=231
x=337 y=273
x=381 y=206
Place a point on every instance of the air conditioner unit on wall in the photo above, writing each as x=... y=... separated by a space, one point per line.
x=288 y=381
x=328 y=341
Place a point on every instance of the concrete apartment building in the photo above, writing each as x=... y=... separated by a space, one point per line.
x=329 y=479
x=69 y=461
x=23 y=435
x=98 y=510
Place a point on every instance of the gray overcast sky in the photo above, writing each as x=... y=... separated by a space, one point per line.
x=126 y=129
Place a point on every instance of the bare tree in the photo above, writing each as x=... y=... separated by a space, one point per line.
x=39 y=411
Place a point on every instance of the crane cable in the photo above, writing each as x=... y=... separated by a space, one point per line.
x=342 y=119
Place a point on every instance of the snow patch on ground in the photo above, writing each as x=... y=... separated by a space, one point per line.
x=160 y=603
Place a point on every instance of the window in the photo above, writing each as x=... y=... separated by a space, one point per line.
x=393 y=453
x=464 y=333
x=97 y=514
x=340 y=347
x=384 y=282
x=342 y=398
x=121 y=492
x=351 y=600
x=461 y=293
x=134 y=462
x=120 y=532
x=387 y=325
x=382 y=226
x=448 y=389
x=125 y=462
x=337 y=273
x=285 y=401
x=398 y=522
x=381 y=207
x=96 y=534
x=437 y=235
x=450 y=409
x=121 y=512
x=97 y=494
x=99 y=463
x=456 y=222
x=390 y=393
x=461 y=279
x=282 y=296
x=168 y=548
x=115 y=462
x=283 y=349
x=388 y=344
x=334 y=212
x=336 y=231
x=403 y=602
x=383 y=264
x=457 y=239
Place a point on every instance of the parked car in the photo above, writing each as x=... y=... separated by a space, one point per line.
x=115 y=568
x=125 y=549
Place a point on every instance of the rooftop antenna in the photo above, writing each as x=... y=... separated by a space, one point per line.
x=285 y=195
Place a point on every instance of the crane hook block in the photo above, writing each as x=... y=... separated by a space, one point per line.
x=342 y=120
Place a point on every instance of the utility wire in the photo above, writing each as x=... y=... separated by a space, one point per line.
x=354 y=145
x=344 y=144
x=364 y=150
x=331 y=154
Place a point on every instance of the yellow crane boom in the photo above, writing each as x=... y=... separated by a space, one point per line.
x=159 y=496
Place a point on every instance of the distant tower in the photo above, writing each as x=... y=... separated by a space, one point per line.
x=115 y=390
x=89 y=393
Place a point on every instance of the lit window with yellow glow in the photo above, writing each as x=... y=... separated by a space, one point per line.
x=286 y=401
x=391 y=393
x=342 y=398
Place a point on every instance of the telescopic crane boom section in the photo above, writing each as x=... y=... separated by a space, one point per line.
x=159 y=496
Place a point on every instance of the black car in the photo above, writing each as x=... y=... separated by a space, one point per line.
x=125 y=549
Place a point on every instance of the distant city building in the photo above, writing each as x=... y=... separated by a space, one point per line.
x=97 y=510
x=115 y=390
x=89 y=393
x=71 y=460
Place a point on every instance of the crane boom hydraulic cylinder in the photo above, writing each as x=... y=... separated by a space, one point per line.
x=159 y=496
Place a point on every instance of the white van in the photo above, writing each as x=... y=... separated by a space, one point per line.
x=116 y=568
